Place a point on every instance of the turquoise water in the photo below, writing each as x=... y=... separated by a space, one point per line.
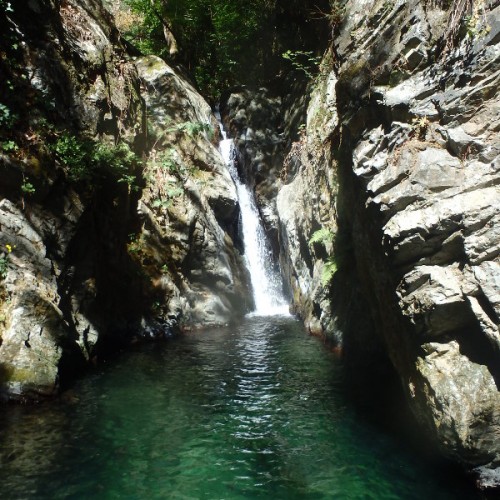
x=258 y=410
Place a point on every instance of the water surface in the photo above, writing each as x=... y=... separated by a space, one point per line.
x=258 y=410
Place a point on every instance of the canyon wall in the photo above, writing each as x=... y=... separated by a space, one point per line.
x=391 y=199
x=118 y=219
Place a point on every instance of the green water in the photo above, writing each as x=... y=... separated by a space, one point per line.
x=259 y=410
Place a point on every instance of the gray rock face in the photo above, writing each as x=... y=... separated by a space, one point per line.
x=263 y=127
x=191 y=203
x=33 y=323
x=88 y=266
x=306 y=204
x=412 y=112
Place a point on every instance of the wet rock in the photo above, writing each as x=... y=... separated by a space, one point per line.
x=254 y=119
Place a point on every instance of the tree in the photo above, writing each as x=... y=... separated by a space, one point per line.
x=226 y=42
x=215 y=35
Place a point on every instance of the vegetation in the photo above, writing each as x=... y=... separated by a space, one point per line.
x=90 y=161
x=13 y=71
x=27 y=187
x=6 y=117
x=329 y=270
x=192 y=129
x=167 y=173
x=304 y=61
x=419 y=125
x=4 y=261
x=213 y=34
x=335 y=13
x=324 y=236
x=217 y=38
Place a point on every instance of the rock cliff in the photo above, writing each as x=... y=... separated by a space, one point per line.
x=117 y=216
x=391 y=199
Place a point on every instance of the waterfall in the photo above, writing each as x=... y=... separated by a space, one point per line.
x=266 y=282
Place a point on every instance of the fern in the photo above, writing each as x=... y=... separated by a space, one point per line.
x=329 y=270
x=322 y=235
x=330 y=267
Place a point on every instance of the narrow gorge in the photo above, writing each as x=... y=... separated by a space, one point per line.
x=358 y=181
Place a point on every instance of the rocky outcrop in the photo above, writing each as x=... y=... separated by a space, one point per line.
x=306 y=205
x=189 y=208
x=409 y=129
x=117 y=217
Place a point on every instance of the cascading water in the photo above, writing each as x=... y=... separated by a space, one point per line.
x=266 y=282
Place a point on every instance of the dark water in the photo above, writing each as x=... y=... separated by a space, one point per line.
x=254 y=411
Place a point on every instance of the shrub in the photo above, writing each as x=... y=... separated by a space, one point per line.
x=90 y=161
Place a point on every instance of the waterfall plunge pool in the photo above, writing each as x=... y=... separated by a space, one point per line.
x=254 y=410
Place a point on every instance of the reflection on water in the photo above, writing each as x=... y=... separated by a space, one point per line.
x=258 y=410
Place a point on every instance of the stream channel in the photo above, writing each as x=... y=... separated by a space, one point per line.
x=257 y=409
x=254 y=410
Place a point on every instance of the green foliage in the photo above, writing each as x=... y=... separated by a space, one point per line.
x=27 y=187
x=304 y=61
x=329 y=270
x=170 y=191
x=6 y=116
x=337 y=13
x=214 y=34
x=158 y=137
x=192 y=129
x=147 y=30
x=131 y=181
x=322 y=235
x=170 y=162
x=88 y=160
x=9 y=146
x=75 y=156
x=475 y=23
x=4 y=266
x=4 y=261
x=169 y=188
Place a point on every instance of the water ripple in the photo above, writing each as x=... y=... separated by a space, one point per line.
x=257 y=410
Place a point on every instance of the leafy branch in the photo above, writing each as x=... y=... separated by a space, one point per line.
x=304 y=61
